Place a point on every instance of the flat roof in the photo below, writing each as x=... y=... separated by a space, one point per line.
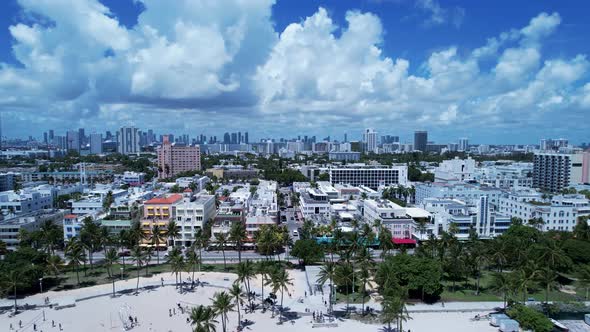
x=165 y=200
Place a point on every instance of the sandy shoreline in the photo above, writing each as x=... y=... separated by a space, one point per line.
x=152 y=309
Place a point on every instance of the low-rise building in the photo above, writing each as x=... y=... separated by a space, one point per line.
x=192 y=214
x=11 y=227
x=469 y=193
x=157 y=211
x=133 y=178
x=24 y=201
x=455 y=170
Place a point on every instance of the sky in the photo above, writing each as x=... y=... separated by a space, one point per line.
x=497 y=72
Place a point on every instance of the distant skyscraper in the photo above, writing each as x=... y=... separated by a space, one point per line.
x=420 y=140
x=234 y=138
x=463 y=144
x=82 y=136
x=45 y=138
x=246 y=137
x=128 y=140
x=95 y=143
x=239 y=137
x=73 y=141
x=51 y=135
x=370 y=140
x=345 y=138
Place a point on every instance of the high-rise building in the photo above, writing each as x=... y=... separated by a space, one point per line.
x=173 y=160
x=556 y=171
x=420 y=140
x=95 y=143
x=370 y=140
x=73 y=141
x=51 y=135
x=246 y=137
x=345 y=138
x=370 y=176
x=82 y=136
x=553 y=144
x=239 y=137
x=128 y=140
x=234 y=138
x=463 y=144
x=45 y=138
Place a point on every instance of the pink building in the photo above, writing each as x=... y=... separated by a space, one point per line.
x=173 y=160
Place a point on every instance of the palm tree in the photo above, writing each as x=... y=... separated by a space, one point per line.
x=238 y=295
x=89 y=238
x=54 y=263
x=111 y=258
x=156 y=232
x=385 y=238
x=221 y=239
x=263 y=269
x=245 y=271
x=192 y=259
x=501 y=283
x=584 y=278
x=13 y=280
x=177 y=264
x=280 y=280
x=201 y=241
x=148 y=254
x=344 y=276
x=172 y=231
x=222 y=305
x=237 y=234
x=328 y=273
x=138 y=257
x=77 y=256
x=204 y=319
x=547 y=277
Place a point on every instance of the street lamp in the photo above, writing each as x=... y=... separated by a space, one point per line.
x=121 y=273
x=41 y=284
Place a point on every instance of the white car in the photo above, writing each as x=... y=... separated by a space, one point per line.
x=295 y=233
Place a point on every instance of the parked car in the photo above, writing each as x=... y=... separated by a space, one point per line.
x=124 y=253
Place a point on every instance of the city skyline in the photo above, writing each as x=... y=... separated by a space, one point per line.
x=323 y=68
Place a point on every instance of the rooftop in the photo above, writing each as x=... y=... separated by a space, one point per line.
x=165 y=200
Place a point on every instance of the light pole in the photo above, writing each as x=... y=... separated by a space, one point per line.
x=41 y=284
x=121 y=273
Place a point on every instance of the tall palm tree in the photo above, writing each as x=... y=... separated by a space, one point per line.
x=177 y=264
x=172 y=231
x=111 y=258
x=138 y=257
x=156 y=233
x=192 y=259
x=54 y=263
x=201 y=241
x=90 y=238
x=221 y=239
x=238 y=295
x=280 y=280
x=245 y=271
x=222 y=305
x=344 y=277
x=501 y=283
x=328 y=273
x=204 y=319
x=237 y=235
x=12 y=280
x=548 y=279
x=263 y=269
x=385 y=243
x=77 y=256
x=148 y=254
x=583 y=276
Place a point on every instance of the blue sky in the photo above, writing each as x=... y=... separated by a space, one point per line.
x=496 y=72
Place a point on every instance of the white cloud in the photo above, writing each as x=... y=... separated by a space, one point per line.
x=194 y=64
x=439 y=15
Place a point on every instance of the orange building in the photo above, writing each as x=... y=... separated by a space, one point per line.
x=158 y=211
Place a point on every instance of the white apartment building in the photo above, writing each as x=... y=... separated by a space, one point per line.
x=25 y=201
x=92 y=205
x=371 y=176
x=561 y=213
x=455 y=170
x=133 y=178
x=469 y=193
x=128 y=140
x=191 y=215
x=370 y=140
x=401 y=221
x=556 y=171
x=480 y=218
x=263 y=209
x=314 y=204
x=505 y=176
x=10 y=227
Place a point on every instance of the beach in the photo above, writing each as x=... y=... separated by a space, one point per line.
x=157 y=309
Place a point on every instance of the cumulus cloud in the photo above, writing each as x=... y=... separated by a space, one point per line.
x=195 y=65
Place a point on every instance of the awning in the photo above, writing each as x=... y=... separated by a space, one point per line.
x=403 y=241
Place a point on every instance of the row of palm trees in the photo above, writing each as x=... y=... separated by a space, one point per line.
x=203 y=318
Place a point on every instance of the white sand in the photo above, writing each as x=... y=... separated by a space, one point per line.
x=152 y=310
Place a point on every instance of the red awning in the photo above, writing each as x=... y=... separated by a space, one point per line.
x=403 y=241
